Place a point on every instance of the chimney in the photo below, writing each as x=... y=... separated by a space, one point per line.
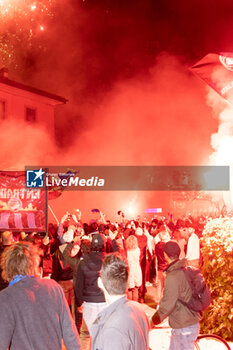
x=4 y=72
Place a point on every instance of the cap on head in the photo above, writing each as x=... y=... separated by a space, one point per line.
x=172 y=249
x=98 y=242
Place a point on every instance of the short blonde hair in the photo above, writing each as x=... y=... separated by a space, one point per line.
x=22 y=258
x=114 y=274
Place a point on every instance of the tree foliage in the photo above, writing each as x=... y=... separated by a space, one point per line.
x=217 y=254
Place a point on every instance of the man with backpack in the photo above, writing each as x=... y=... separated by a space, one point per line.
x=177 y=293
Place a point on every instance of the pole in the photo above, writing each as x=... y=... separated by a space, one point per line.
x=53 y=214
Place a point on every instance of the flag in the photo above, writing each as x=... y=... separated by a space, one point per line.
x=217 y=71
x=56 y=191
x=21 y=209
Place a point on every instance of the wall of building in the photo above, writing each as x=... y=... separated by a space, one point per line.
x=17 y=100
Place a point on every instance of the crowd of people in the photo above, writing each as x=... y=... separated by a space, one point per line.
x=102 y=270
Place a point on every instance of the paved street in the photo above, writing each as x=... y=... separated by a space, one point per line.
x=160 y=337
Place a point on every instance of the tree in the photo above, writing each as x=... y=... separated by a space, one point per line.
x=217 y=253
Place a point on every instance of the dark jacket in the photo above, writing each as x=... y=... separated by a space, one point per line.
x=142 y=245
x=86 y=287
x=72 y=261
x=61 y=269
x=161 y=261
x=122 y=325
x=176 y=287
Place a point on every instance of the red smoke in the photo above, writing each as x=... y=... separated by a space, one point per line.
x=128 y=103
x=158 y=119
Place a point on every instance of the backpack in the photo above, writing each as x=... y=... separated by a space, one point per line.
x=201 y=296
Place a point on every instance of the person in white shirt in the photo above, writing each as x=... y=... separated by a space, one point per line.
x=193 y=246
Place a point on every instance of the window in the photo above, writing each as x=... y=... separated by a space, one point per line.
x=30 y=114
x=2 y=109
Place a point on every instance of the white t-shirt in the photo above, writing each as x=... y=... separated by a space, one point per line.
x=193 y=247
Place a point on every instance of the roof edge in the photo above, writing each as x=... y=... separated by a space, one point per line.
x=33 y=90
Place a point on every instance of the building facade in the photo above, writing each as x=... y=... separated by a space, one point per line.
x=24 y=103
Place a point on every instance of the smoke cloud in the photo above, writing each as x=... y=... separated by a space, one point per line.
x=24 y=144
x=222 y=140
x=156 y=119
x=129 y=104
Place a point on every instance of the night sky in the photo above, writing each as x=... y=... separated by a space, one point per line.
x=90 y=46
x=108 y=41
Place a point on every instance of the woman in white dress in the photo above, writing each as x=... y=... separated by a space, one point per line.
x=135 y=272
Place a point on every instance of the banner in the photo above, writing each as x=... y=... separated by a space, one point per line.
x=217 y=71
x=21 y=209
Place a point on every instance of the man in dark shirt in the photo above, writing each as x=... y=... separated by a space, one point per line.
x=86 y=288
x=161 y=263
x=142 y=244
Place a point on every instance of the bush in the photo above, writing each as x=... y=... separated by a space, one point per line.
x=217 y=253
